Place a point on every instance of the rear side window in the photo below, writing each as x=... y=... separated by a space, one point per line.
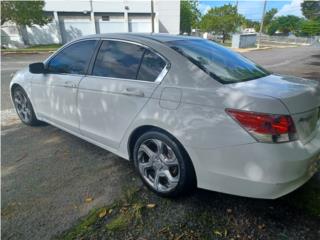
x=151 y=66
x=118 y=60
x=218 y=62
x=73 y=59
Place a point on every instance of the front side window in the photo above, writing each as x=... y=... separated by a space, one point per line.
x=151 y=66
x=118 y=60
x=219 y=62
x=74 y=59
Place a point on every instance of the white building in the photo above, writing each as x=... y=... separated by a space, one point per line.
x=75 y=18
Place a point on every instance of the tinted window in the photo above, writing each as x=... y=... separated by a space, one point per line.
x=219 y=62
x=151 y=66
x=118 y=59
x=73 y=59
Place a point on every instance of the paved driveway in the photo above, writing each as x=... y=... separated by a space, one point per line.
x=51 y=178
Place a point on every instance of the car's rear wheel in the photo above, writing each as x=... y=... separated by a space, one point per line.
x=24 y=107
x=163 y=164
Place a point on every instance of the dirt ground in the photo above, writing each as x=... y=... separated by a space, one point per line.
x=52 y=180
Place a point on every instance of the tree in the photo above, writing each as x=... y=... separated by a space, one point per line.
x=310 y=28
x=311 y=9
x=268 y=17
x=247 y=23
x=285 y=24
x=222 y=20
x=189 y=15
x=24 y=13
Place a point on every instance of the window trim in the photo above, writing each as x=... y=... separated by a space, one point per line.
x=48 y=60
x=159 y=78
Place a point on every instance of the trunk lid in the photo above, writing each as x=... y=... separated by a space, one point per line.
x=300 y=96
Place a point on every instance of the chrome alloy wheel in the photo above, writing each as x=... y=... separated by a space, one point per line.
x=22 y=106
x=158 y=165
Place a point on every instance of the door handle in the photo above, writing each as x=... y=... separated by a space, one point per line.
x=133 y=92
x=69 y=84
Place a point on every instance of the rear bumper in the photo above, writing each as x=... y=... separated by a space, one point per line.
x=257 y=170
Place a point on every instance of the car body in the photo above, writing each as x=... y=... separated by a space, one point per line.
x=188 y=102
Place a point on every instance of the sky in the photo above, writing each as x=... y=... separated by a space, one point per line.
x=252 y=9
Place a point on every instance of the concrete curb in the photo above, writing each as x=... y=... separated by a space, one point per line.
x=26 y=52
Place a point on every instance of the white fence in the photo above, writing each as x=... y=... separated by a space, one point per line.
x=285 y=40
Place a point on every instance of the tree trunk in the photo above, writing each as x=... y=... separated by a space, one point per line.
x=23 y=34
x=223 y=37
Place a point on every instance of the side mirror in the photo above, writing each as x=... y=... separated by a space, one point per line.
x=37 y=68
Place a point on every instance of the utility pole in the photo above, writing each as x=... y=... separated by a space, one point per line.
x=152 y=17
x=92 y=20
x=261 y=25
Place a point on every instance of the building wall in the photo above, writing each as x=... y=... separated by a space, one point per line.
x=73 y=18
x=167 y=11
x=169 y=15
x=11 y=36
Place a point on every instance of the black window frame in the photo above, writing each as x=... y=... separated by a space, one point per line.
x=94 y=59
x=87 y=67
x=215 y=77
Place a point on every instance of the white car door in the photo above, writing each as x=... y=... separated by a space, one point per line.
x=123 y=78
x=54 y=93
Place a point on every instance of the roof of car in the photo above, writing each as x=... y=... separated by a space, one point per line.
x=160 y=37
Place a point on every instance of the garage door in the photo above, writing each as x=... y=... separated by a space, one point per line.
x=74 y=27
x=110 y=24
x=140 y=24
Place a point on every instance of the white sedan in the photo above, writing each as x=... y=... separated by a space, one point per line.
x=188 y=112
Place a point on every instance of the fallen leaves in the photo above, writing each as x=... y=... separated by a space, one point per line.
x=102 y=213
x=180 y=236
x=88 y=200
x=220 y=233
x=151 y=205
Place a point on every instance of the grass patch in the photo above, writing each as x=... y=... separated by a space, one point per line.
x=129 y=210
x=115 y=217
x=35 y=48
x=84 y=227
x=226 y=44
x=141 y=214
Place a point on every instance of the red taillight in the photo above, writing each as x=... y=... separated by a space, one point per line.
x=266 y=127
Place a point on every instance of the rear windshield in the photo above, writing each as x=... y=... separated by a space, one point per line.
x=219 y=62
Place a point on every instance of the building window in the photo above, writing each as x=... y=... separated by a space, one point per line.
x=105 y=18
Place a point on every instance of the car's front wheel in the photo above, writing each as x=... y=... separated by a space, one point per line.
x=24 y=107
x=163 y=165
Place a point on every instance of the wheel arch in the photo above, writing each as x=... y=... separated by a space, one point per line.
x=17 y=85
x=136 y=133
x=13 y=86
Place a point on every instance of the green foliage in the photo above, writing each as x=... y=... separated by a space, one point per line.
x=221 y=20
x=268 y=17
x=247 y=23
x=311 y=9
x=83 y=227
x=310 y=28
x=189 y=15
x=23 y=12
x=285 y=24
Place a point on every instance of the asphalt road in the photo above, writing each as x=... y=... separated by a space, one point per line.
x=9 y=65
x=298 y=61
x=51 y=178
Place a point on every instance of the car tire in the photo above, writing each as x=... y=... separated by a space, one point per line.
x=167 y=169
x=24 y=107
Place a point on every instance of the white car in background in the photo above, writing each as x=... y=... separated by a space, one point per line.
x=187 y=111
